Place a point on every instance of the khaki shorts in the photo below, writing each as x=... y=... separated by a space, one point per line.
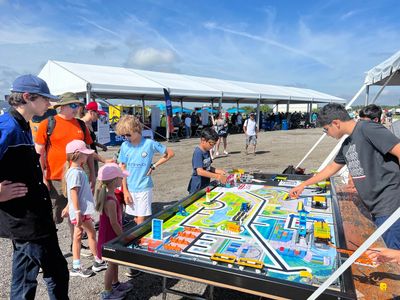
x=251 y=139
x=57 y=200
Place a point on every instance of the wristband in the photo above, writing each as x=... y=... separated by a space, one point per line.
x=78 y=211
x=153 y=167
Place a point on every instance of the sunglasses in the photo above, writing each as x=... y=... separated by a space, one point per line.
x=73 y=105
x=127 y=135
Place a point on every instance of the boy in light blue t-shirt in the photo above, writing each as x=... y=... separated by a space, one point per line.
x=136 y=156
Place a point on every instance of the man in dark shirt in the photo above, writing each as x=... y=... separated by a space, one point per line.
x=371 y=153
x=25 y=206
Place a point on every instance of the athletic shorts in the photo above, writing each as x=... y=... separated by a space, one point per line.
x=141 y=206
x=84 y=219
x=251 y=139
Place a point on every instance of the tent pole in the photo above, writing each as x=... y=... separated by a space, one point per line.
x=258 y=110
x=366 y=95
x=287 y=106
x=237 y=106
x=88 y=92
x=326 y=161
x=348 y=105
x=383 y=86
x=311 y=150
x=143 y=109
x=181 y=106
x=220 y=102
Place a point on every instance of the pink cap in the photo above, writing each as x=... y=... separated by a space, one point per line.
x=110 y=171
x=78 y=145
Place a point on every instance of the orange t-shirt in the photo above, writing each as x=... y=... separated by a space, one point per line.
x=64 y=132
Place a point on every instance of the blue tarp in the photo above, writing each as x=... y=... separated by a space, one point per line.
x=214 y=111
x=175 y=109
x=235 y=110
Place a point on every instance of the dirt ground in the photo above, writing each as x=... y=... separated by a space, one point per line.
x=275 y=151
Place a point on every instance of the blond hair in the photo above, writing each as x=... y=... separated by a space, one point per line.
x=70 y=157
x=128 y=124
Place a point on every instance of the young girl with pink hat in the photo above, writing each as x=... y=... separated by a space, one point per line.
x=110 y=226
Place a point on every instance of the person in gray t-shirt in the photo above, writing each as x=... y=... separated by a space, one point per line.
x=371 y=153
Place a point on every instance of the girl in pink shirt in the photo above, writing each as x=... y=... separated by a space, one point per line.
x=110 y=225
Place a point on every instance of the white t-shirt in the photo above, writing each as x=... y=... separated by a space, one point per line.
x=250 y=127
x=76 y=177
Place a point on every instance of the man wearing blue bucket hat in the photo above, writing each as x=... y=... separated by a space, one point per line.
x=25 y=206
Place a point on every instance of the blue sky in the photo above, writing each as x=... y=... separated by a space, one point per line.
x=322 y=45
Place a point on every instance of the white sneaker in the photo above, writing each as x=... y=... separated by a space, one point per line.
x=97 y=267
x=217 y=153
x=226 y=152
x=84 y=273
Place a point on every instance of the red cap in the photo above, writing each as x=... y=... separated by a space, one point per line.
x=94 y=106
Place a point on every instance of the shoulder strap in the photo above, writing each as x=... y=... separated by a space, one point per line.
x=83 y=127
x=51 y=123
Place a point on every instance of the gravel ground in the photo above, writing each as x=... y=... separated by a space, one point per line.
x=275 y=151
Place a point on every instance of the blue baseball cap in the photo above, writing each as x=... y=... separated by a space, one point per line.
x=32 y=84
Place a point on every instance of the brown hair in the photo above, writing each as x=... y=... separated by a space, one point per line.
x=16 y=98
x=128 y=124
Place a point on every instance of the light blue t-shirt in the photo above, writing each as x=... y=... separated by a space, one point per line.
x=76 y=177
x=137 y=159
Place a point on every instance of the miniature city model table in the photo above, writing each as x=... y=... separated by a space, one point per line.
x=249 y=237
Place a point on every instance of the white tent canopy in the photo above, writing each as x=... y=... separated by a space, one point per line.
x=380 y=74
x=117 y=82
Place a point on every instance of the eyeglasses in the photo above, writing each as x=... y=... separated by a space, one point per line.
x=127 y=135
x=326 y=129
x=73 y=105
x=211 y=143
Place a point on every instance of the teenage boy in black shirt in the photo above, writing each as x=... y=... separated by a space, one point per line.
x=25 y=207
x=371 y=153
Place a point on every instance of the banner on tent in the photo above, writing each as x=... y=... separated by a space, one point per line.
x=168 y=107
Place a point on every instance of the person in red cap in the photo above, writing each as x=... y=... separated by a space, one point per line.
x=92 y=112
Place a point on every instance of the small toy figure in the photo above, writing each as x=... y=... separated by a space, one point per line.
x=246 y=178
x=233 y=227
x=208 y=195
x=319 y=202
x=245 y=207
x=182 y=211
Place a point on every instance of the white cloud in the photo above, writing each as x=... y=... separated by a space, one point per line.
x=150 y=57
x=14 y=32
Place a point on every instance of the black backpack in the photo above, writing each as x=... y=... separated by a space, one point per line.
x=292 y=170
x=50 y=128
